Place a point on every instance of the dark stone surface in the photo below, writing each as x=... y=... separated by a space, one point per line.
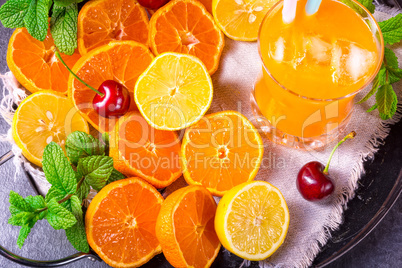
x=382 y=247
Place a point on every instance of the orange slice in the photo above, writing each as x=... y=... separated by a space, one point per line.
x=120 y=223
x=240 y=19
x=41 y=118
x=185 y=26
x=174 y=92
x=140 y=150
x=34 y=63
x=102 y=21
x=185 y=228
x=221 y=151
x=122 y=61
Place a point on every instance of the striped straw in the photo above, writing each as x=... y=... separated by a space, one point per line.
x=289 y=10
x=312 y=6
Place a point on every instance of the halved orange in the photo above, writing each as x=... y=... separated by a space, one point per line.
x=140 y=150
x=185 y=26
x=240 y=19
x=174 y=92
x=102 y=21
x=120 y=223
x=41 y=118
x=185 y=228
x=220 y=151
x=34 y=63
x=122 y=61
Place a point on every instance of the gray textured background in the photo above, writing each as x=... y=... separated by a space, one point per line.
x=382 y=248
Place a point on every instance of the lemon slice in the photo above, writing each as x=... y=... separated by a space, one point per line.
x=252 y=220
x=174 y=92
x=240 y=19
x=41 y=118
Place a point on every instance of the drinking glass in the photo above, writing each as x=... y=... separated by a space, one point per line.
x=291 y=117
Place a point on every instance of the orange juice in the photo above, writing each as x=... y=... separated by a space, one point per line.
x=314 y=66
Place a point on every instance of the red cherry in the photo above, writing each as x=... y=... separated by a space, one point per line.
x=152 y=4
x=312 y=183
x=112 y=99
x=115 y=100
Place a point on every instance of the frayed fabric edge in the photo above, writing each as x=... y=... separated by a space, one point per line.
x=13 y=95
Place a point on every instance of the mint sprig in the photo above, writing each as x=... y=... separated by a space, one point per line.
x=386 y=98
x=62 y=205
x=34 y=14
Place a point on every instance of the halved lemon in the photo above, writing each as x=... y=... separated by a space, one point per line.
x=41 y=118
x=240 y=19
x=252 y=220
x=174 y=92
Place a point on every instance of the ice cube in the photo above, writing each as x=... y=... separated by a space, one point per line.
x=359 y=61
x=318 y=50
x=288 y=49
x=279 y=49
x=350 y=62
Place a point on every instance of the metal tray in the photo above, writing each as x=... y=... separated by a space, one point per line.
x=379 y=189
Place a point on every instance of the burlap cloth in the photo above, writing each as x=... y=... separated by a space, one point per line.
x=310 y=223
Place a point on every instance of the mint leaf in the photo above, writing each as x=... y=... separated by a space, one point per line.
x=63 y=26
x=12 y=13
x=392 y=29
x=36 y=202
x=76 y=234
x=115 y=176
x=36 y=19
x=96 y=169
x=24 y=232
x=80 y=144
x=21 y=218
x=19 y=203
x=368 y=4
x=58 y=170
x=59 y=217
x=385 y=99
x=392 y=110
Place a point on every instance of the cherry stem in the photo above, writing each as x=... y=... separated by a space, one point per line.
x=351 y=135
x=76 y=76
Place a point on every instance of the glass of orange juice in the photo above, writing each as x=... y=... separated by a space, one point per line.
x=312 y=70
